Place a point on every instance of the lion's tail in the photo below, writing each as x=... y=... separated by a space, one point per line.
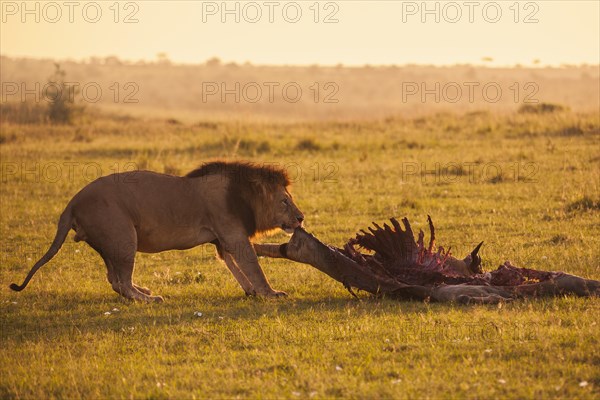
x=64 y=226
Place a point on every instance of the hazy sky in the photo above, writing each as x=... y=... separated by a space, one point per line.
x=286 y=32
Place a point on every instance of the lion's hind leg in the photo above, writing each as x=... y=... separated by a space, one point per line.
x=117 y=244
x=142 y=289
x=122 y=281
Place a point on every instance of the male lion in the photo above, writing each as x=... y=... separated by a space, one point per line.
x=224 y=203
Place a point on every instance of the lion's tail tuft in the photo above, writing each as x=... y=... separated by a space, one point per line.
x=16 y=287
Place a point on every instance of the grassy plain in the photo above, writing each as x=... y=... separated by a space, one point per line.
x=527 y=184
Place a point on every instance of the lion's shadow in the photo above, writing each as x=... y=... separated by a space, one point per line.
x=69 y=314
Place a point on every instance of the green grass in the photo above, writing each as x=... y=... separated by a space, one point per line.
x=526 y=184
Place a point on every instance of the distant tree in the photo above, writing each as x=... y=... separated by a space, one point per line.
x=61 y=107
x=163 y=59
x=213 y=62
x=112 y=60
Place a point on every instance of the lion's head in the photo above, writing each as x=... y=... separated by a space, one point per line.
x=282 y=211
x=258 y=194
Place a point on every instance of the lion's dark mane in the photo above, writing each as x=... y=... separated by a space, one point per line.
x=248 y=184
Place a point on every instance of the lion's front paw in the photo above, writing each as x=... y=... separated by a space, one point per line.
x=157 y=299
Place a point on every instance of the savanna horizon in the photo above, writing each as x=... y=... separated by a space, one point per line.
x=217 y=91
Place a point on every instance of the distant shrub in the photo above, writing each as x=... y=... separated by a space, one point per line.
x=23 y=113
x=308 y=145
x=207 y=125
x=231 y=145
x=573 y=130
x=586 y=203
x=82 y=138
x=409 y=144
x=252 y=147
x=7 y=138
x=498 y=178
x=559 y=239
x=479 y=114
x=408 y=203
x=541 y=108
